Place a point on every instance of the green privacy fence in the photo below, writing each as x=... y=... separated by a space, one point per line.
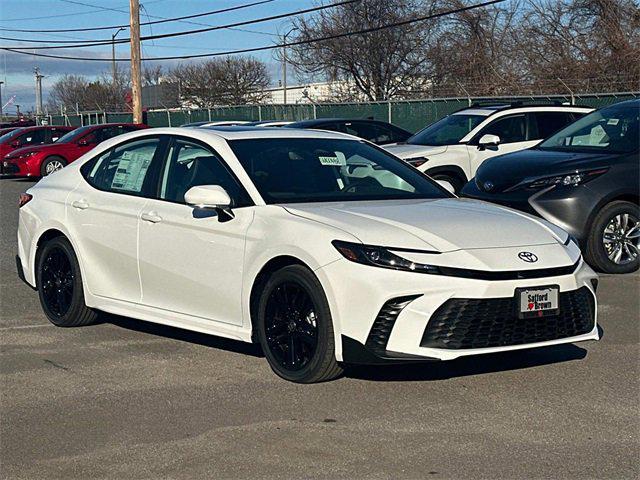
x=410 y=114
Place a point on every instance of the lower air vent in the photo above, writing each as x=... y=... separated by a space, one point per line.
x=384 y=322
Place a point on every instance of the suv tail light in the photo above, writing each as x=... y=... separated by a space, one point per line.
x=24 y=199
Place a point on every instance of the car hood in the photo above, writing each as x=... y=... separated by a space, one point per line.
x=36 y=148
x=441 y=225
x=505 y=171
x=406 y=150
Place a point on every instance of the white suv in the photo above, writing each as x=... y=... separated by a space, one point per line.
x=453 y=148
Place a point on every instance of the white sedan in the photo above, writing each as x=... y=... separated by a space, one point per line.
x=320 y=246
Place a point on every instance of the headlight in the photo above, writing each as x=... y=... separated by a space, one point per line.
x=380 y=257
x=417 y=161
x=569 y=180
x=22 y=156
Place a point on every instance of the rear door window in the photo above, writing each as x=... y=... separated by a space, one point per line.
x=34 y=137
x=546 y=124
x=126 y=168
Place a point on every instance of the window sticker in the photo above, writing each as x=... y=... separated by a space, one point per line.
x=131 y=171
x=339 y=160
x=613 y=121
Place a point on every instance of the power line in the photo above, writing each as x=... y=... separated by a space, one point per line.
x=187 y=32
x=271 y=47
x=114 y=27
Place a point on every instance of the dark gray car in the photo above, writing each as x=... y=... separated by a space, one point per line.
x=585 y=178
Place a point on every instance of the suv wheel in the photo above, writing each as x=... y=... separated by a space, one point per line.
x=452 y=180
x=295 y=327
x=613 y=245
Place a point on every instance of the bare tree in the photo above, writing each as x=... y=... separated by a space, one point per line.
x=228 y=81
x=593 y=45
x=475 y=54
x=151 y=75
x=75 y=91
x=380 y=65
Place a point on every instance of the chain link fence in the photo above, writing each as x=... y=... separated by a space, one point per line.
x=410 y=114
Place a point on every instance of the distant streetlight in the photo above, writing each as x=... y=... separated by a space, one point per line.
x=284 y=65
x=1 y=114
x=113 y=54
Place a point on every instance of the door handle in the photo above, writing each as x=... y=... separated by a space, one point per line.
x=80 y=204
x=152 y=217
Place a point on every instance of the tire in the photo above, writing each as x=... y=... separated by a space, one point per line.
x=608 y=232
x=453 y=180
x=291 y=301
x=52 y=164
x=60 y=285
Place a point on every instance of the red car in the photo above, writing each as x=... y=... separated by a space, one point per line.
x=20 y=137
x=45 y=159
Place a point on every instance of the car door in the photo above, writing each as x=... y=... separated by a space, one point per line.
x=103 y=213
x=514 y=134
x=191 y=260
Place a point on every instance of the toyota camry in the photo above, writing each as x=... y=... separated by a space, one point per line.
x=320 y=246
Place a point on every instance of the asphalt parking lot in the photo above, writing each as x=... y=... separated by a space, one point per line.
x=127 y=399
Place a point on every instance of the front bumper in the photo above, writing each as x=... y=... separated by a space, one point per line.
x=358 y=296
x=20 y=168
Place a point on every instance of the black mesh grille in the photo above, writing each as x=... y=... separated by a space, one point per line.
x=477 y=323
x=383 y=324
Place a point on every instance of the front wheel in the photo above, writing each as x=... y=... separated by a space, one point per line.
x=295 y=327
x=60 y=285
x=52 y=164
x=613 y=245
x=455 y=182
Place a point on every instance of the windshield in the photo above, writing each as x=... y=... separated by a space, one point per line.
x=291 y=170
x=447 y=131
x=610 y=130
x=73 y=135
x=10 y=135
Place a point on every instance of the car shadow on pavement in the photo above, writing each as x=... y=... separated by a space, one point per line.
x=182 y=335
x=475 y=365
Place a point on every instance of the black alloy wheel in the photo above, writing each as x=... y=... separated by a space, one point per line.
x=59 y=284
x=56 y=279
x=291 y=326
x=295 y=327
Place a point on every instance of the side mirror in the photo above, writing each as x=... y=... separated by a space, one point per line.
x=488 y=141
x=211 y=197
x=447 y=186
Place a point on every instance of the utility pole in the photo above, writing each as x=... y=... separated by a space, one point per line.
x=1 y=115
x=17 y=110
x=136 y=80
x=114 y=69
x=284 y=65
x=38 y=78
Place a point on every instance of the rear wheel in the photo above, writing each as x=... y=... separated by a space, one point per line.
x=295 y=327
x=60 y=285
x=52 y=164
x=613 y=245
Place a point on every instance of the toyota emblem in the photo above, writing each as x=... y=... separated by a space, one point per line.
x=528 y=257
x=488 y=186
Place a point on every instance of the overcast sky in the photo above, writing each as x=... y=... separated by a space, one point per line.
x=17 y=70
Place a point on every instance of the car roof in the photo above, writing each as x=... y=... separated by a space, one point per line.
x=243 y=132
x=319 y=121
x=490 y=109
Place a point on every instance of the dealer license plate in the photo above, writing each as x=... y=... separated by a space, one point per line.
x=538 y=302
